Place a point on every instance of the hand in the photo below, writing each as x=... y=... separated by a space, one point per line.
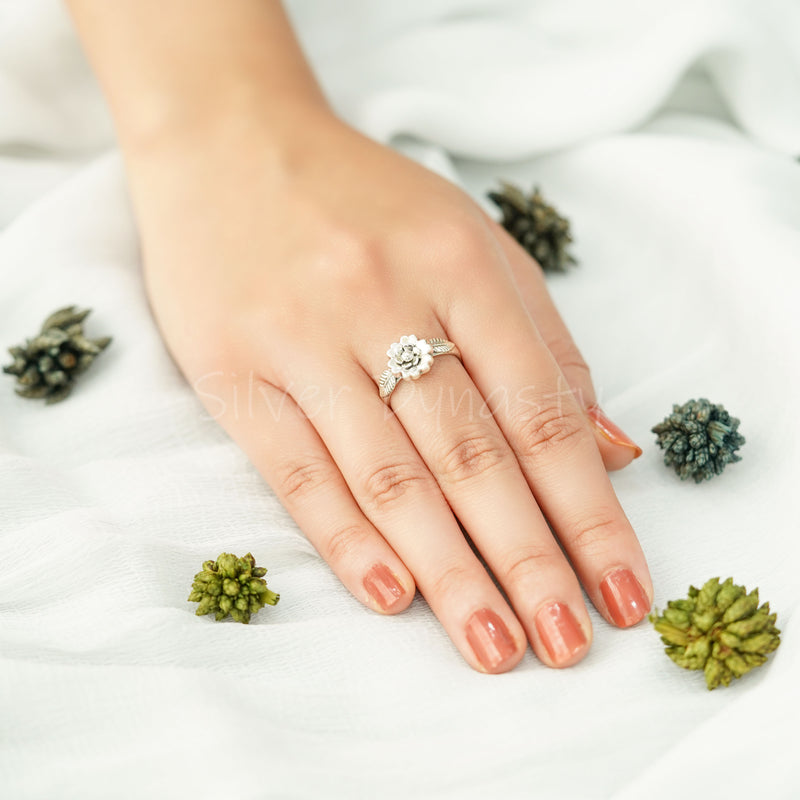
x=283 y=271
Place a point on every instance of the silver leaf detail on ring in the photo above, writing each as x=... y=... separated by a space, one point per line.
x=387 y=382
x=440 y=347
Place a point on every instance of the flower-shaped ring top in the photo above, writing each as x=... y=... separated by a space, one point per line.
x=411 y=357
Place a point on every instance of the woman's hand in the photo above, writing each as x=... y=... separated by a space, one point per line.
x=280 y=269
x=283 y=254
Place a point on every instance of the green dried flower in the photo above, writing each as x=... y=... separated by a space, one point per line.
x=231 y=585
x=700 y=439
x=719 y=629
x=536 y=225
x=47 y=365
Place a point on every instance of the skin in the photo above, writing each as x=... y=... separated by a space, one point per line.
x=283 y=252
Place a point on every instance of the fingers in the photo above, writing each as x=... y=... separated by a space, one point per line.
x=451 y=426
x=398 y=495
x=288 y=452
x=616 y=447
x=554 y=444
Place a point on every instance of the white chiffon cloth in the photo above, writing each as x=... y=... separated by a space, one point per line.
x=666 y=132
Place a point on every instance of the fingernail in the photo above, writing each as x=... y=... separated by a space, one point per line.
x=625 y=599
x=383 y=586
x=560 y=632
x=489 y=639
x=613 y=433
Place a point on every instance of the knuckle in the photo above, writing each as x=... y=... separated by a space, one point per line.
x=542 y=428
x=357 y=252
x=349 y=261
x=474 y=453
x=526 y=563
x=462 y=240
x=567 y=354
x=385 y=486
x=595 y=534
x=344 y=542
x=451 y=580
x=298 y=479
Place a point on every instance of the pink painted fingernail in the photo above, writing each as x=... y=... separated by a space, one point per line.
x=489 y=639
x=625 y=599
x=383 y=586
x=560 y=632
x=613 y=433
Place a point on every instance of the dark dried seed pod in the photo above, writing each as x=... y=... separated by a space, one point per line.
x=536 y=225
x=46 y=365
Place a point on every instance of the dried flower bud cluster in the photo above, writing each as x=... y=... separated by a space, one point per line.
x=699 y=439
x=231 y=585
x=47 y=365
x=537 y=226
x=719 y=629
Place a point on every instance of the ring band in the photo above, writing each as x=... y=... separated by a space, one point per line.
x=410 y=358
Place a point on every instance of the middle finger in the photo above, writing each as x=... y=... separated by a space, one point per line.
x=453 y=429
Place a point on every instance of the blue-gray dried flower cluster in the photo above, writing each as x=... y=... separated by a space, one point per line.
x=699 y=439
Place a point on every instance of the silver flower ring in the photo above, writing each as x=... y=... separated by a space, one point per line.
x=411 y=357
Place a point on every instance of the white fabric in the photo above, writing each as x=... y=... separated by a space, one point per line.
x=688 y=228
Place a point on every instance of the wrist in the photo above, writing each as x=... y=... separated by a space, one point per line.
x=216 y=158
x=227 y=118
x=170 y=69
